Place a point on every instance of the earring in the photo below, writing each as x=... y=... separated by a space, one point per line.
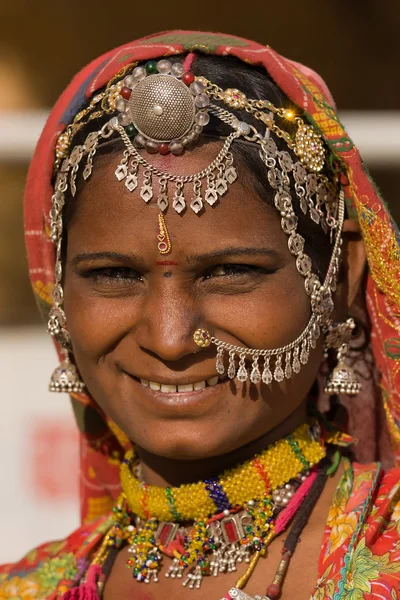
x=65 y=378
x=343 y=379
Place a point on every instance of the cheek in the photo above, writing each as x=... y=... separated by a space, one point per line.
x=271 y=316
x=96 y=323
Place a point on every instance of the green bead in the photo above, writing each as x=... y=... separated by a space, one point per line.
x=151 y=67
x=131 y=131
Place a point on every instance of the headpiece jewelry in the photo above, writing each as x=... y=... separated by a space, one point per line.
x=161 y=108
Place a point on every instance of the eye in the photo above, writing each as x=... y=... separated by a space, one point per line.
x=234 y=270
x=114 y=275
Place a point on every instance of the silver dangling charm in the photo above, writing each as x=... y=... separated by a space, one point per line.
x=220 y=361
x=242 y=373
x=65 y=378
x=343 y=379
x=255 y=376
x=232 y=365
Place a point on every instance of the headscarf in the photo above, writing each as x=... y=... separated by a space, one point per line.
x=102 y=444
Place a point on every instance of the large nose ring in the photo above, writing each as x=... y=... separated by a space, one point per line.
x=202 y=338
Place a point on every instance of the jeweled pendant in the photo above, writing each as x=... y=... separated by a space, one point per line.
x=211 y=196
x=221 y=186
x=146 y=193
x=242 y=373
x=196 y=204
x=296 y=366
x=162 y=202
x=288 y=366
x=278 y=373
x=304 y=353
x=121 y=172
x=131 y=182
x=231 y=175
x=87 y=170
x=255 y=376
x=267 y=374
x=232 y=366
x=179 y=203
x=220 y=361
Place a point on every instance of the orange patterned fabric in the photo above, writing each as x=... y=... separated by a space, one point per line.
x=101 y=444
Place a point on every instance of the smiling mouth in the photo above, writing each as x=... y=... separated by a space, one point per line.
x=167 y=388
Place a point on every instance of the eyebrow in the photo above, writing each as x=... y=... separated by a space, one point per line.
x=233 y=251
x=93 y=256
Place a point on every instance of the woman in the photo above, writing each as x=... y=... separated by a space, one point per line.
x=211 y=220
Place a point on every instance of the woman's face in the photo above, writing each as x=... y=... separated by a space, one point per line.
x=131 y=312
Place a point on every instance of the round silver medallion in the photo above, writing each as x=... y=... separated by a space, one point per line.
x=162 y=108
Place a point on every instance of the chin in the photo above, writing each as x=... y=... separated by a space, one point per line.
x=183 y=441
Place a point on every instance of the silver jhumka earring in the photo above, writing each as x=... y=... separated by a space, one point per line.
x=160 y=108
x=343 y=379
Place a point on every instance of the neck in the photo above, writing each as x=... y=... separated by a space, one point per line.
x=161 y=471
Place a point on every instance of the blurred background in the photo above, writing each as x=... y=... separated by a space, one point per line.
x=353 y=45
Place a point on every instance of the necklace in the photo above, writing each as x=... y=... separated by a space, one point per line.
x=267 y=471
x=208 y=527
x=276 y=507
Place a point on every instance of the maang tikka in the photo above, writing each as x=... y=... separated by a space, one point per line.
x=160 y=108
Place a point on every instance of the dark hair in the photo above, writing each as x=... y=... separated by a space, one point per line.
x=254 y=81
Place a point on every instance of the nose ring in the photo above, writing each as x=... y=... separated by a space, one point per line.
x=202 y=338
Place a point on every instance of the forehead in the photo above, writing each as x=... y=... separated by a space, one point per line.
x=107 y=213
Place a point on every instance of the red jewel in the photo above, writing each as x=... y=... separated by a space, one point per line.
x=273 y=591
x=163 y=149
x=188 y=78
x=126 y=92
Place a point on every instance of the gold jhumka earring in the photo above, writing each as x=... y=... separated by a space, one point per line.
x=160 y=108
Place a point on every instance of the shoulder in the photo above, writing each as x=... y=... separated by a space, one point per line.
x=52 y=566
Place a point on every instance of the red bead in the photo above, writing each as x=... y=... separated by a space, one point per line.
x=163 y=149
x=273 y=591
x=126 y=92
x=188 y=78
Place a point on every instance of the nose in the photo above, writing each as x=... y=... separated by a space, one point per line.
x=167 y=322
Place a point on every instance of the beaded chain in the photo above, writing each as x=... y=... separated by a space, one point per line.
x=243 y=511
x=267 y=471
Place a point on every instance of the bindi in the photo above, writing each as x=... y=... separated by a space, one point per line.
x=167 y=274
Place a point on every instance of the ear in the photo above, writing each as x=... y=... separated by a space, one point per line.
x=354 y=260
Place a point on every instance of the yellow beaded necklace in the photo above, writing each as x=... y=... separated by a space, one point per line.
x=248 y=481
x=210 y=526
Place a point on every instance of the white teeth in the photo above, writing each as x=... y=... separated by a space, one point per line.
x=167 y=388
x=185 y=388
x=200 y=385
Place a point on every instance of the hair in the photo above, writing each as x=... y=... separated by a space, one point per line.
x=254 y=81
